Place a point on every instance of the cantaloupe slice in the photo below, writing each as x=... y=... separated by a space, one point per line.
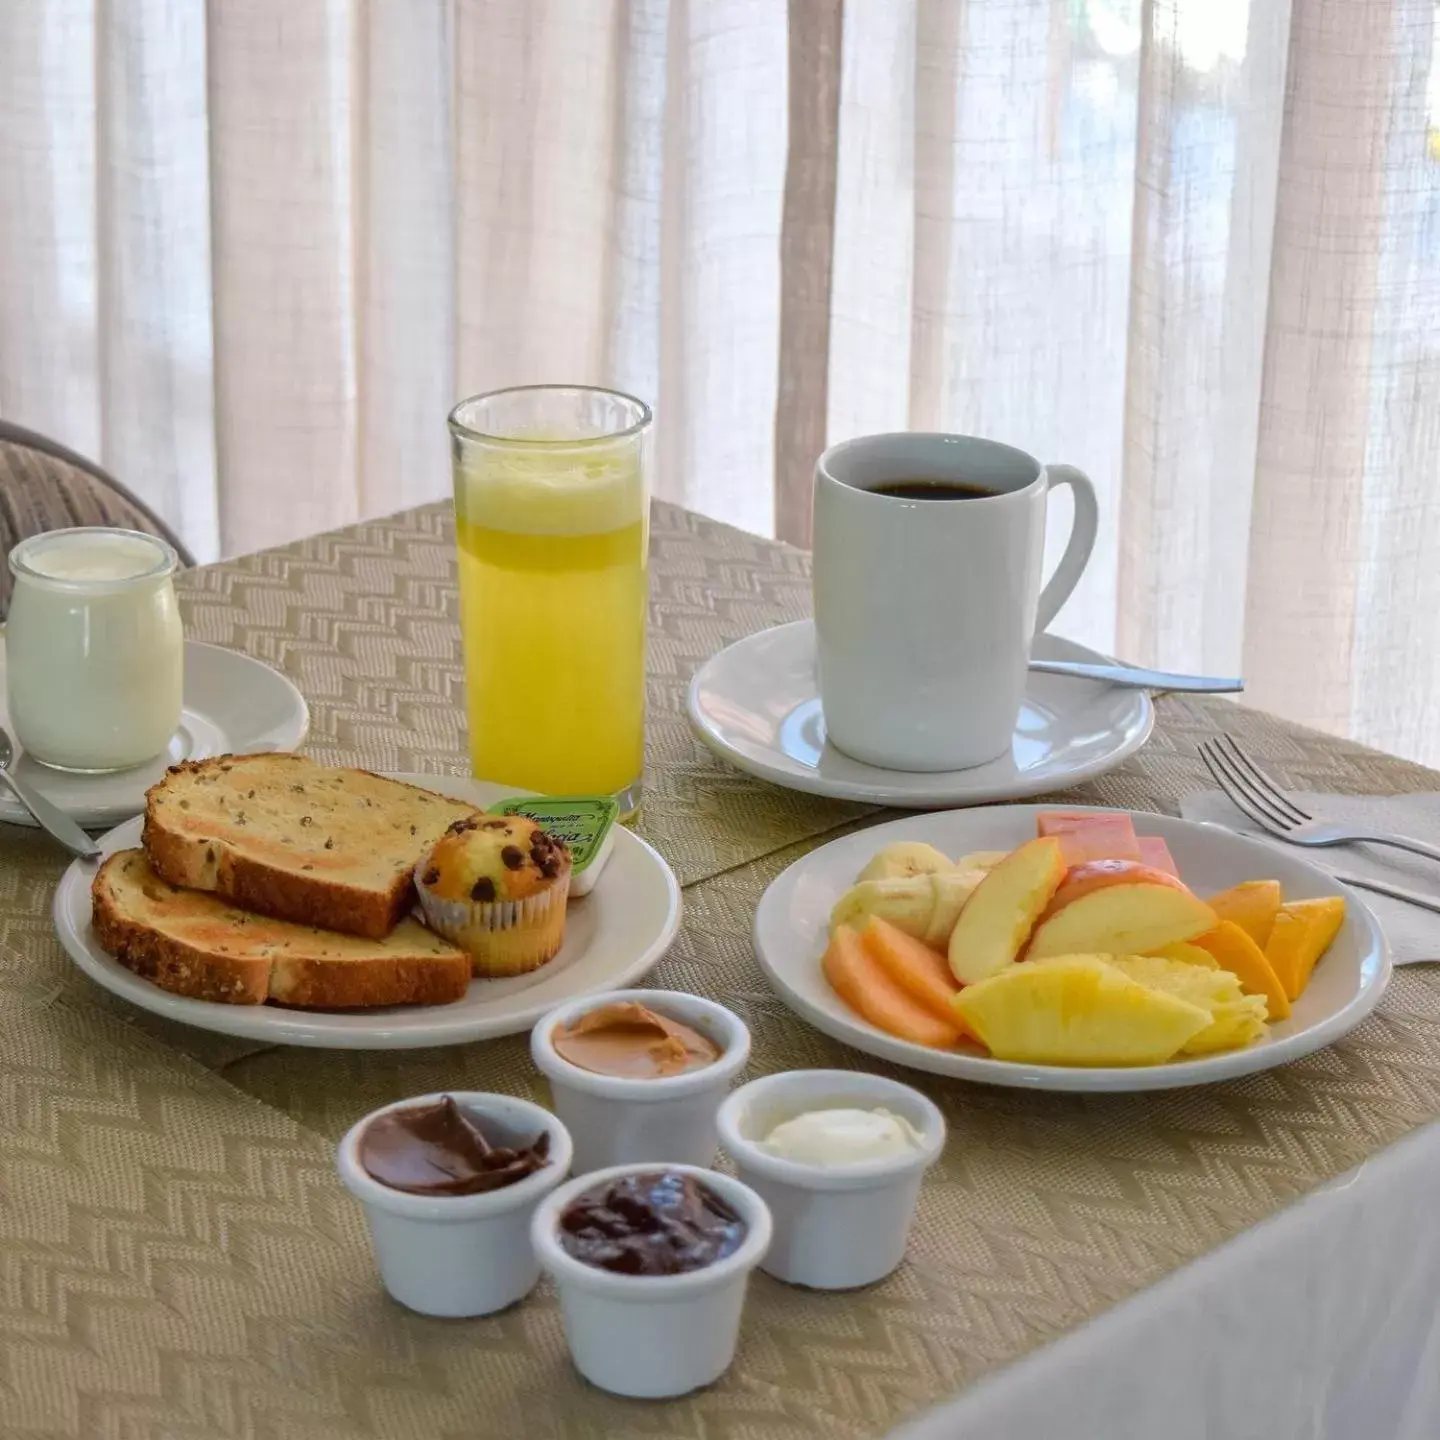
x=1083 y=838
x=1155 y=854
x=923 y=973
x=857 y=978
x=1236 y=952
x=1302 y=934
x=1252 y=905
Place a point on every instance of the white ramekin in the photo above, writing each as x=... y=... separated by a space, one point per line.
x=652 y=1336
x=617 y=1121
x=457 y=1255
x=839 y=1226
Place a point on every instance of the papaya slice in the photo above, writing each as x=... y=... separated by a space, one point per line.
x=1302 y=934
x=1252 y=905
x=1236 y=951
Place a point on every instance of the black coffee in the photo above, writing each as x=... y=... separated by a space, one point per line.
x=933 y=490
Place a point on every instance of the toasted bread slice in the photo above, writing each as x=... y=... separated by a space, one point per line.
x=193 y=944
x=283 y=836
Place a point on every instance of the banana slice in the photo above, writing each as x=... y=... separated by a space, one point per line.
x=951 y=891
x=904 y=859
x=907 y=903
x=981 y=860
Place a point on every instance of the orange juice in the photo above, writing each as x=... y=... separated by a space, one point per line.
x=553 y=544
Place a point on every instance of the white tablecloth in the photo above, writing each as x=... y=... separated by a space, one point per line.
x=1322 y=1323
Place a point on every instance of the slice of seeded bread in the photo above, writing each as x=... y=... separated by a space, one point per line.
x=283 y=836
x=193 y=944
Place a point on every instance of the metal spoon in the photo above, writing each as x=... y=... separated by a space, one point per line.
x=1131 y=677
x=51 y=819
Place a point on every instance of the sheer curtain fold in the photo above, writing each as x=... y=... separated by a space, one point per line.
x=1200 y=267
x=807 y=250
x=939 y=62
x=283 y=212
x=539 y=96
x=49 y=335
x=250 y=255
x=723 y=154
x=153 y=280
x=403 y=243
x=1324 y=362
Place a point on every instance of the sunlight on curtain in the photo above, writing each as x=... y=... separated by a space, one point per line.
x=1190 y=247
x=1020 y=154
x=249 y=255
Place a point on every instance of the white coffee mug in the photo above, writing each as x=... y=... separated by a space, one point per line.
x=925 y=608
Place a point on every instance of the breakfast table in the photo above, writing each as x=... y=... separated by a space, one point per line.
x=178 y=1256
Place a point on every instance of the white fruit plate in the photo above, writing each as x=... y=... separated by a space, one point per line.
x=612 y=937
x=791 y=926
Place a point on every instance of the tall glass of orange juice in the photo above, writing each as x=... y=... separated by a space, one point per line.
x=552 y=525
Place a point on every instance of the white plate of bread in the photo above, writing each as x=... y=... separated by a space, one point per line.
x=270 y=898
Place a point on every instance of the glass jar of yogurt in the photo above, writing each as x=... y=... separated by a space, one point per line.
x=94 y=652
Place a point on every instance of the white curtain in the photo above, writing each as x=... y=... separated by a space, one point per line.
x=252 y=251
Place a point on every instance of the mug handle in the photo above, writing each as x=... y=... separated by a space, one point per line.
x=1077 y=552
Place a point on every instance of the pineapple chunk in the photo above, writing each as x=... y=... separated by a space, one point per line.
x=1235 y=1017
x=1078 y=1010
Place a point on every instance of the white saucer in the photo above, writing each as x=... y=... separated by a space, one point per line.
x=612 y=937
x=756 y=704
x=231 y=703
x=792 y=921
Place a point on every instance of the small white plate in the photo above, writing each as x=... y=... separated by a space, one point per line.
x=231 y=703
x=791 y=925
x=612 y=937
x=756 y=704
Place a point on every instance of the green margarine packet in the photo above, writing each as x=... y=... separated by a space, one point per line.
x=581 y=821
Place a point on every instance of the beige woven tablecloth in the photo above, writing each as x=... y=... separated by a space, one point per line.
x=177 y=1258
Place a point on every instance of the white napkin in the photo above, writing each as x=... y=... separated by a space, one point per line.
x=1413 y=933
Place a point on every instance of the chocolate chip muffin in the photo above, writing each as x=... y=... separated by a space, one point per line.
x=496 y=885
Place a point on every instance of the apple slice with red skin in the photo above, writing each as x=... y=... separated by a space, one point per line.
x=1116 y=913
x=996 y=920
x=1082 y=880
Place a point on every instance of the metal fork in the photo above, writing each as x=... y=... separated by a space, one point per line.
x=1273 y=809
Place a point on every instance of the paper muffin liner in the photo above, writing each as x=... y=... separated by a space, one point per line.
x=503 y=937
